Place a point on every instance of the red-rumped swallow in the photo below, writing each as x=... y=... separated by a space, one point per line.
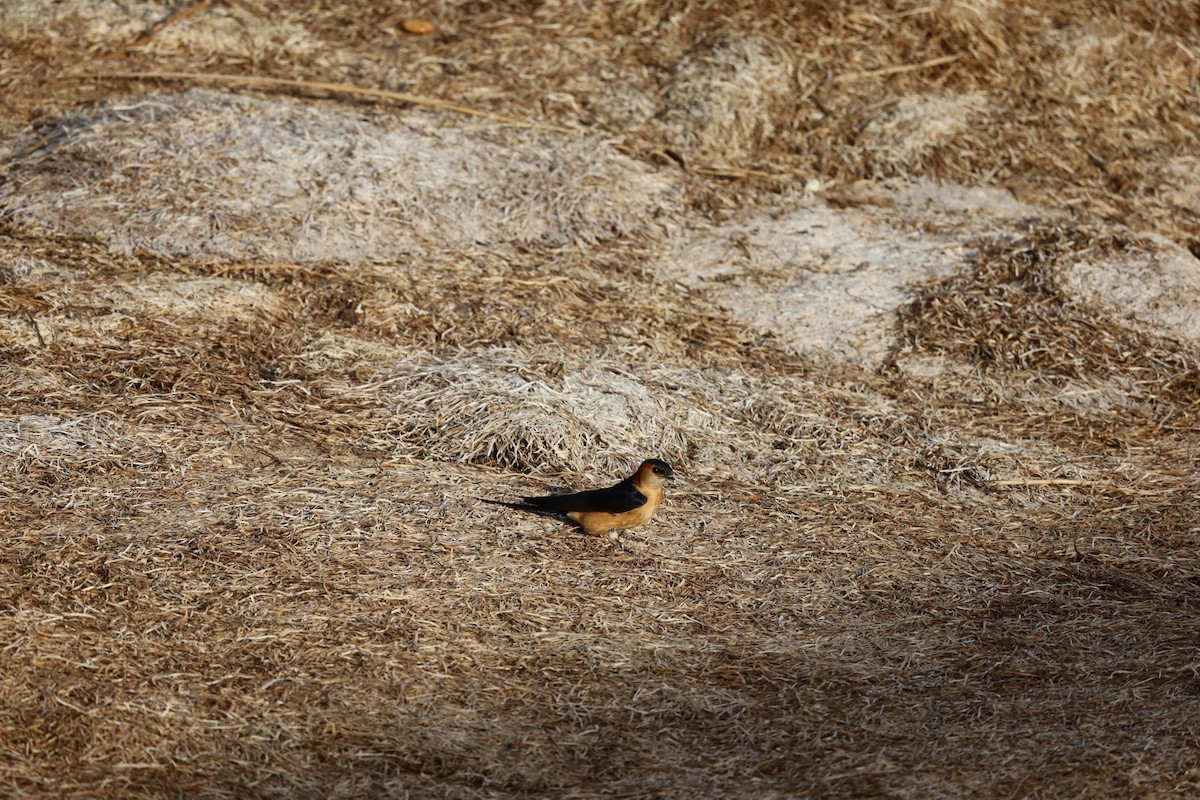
x=598 y=511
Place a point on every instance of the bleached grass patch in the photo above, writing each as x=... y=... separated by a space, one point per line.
x=238 y=31
x=337 y=352
x=1154 y=284
x=95 y=23
x=65 y=444
x=907 y=131
x=210 y=298
x=729 y=94
x=504 y=409
x=203 y=172
x=825 y=281
x=524 y=413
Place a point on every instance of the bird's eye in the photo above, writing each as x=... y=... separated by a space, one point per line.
x=658 y=471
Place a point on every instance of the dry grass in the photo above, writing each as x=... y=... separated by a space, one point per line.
x=261 y=352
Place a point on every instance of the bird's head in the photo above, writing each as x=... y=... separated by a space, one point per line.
x=654 y=472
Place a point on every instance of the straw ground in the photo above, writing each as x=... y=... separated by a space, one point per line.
x=855 y=269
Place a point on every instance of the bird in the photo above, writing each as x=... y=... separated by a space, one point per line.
x=600 y=511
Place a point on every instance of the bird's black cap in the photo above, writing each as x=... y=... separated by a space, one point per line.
x=660 y=467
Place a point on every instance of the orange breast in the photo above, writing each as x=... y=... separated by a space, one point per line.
x=601 y=522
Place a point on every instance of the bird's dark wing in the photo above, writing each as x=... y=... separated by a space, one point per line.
x=615 y=500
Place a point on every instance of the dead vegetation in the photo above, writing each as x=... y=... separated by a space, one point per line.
x=262 y=349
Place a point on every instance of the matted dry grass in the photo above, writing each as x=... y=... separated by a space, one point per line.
x=247 y=415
